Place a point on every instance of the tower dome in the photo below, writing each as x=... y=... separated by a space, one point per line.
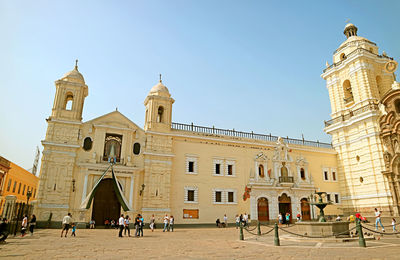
x=159 y=89
x=350 y=30
x=74 y=75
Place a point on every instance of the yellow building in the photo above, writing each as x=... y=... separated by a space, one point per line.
x=198 y=174
x=18 y=182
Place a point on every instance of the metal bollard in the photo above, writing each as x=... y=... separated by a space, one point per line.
x=276 y=238
x=258 y=228
x=241 y=237
x=361 y=240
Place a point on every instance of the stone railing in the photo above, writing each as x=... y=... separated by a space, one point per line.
x=249 y=135
x=358 y=111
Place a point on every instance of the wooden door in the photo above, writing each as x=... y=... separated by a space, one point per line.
x=305 y=209
x=262 y=209
x=105 y=203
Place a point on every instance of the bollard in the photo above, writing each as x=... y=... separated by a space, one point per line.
x=258 y=228
x=276 y=238
x=361 y=240
x=241 y=237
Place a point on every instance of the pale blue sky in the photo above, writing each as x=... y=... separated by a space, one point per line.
x=248 y=65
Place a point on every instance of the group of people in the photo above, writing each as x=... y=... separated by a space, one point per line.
x=286 y=219
x=67 y=224
x=123 y=223
x=242 y=219
x=168 y=223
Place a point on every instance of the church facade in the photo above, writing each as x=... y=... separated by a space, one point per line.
x=106 y=166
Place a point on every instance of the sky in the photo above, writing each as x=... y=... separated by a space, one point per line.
x=247 y=65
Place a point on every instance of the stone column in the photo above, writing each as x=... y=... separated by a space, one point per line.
x=9 y=206
x=273 y=207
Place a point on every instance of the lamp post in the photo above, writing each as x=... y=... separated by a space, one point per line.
x=141 y=191
x=28 y=196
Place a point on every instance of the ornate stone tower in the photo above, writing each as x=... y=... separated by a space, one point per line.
x=356 y=81
x=60 y=146
x=159 y=154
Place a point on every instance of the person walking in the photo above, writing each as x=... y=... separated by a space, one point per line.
x=226 y=220
x=137 y=225
x=280 y=219
x=66 y=224
x=378 y=220
x=141 y=225
x=24 y=225
x=287 y=216
x=126 y=224
x=73 y=230
x=171 y=224
x=245 y=219
x=394 y=224
x=237 y=218
x=166 y=221
x=121 y=225
x=92 y=222
x=152 y=223
x=32 y=224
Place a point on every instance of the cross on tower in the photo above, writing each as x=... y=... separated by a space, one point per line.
x=160 y=78
x=76 y=64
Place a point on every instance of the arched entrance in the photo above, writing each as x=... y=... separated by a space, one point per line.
x=285 y=206
x=262 y=209
x=305 y=209
x=105 y=203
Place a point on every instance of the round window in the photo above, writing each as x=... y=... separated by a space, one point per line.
x=136 y=148
x=87 y=144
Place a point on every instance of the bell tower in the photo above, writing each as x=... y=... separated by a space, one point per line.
x=158 y=108
x=356 y=82
x=60 y=146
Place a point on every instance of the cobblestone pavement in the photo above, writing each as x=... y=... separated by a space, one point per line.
x=201 y=243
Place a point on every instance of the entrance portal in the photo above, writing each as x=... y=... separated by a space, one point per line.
x=262 y=209
x=285 y=206
x=105 y=203
x=305 y=209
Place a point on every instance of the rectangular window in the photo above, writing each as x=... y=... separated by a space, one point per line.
x=334 y=176
x=326 y=175
x=218 y=168
x=328 y=197
x=9 y=185
x=34 y=194
x=230 y=169
x=19 y=188
x=190 y=195
x=15 y=186
x=191 y=213
x=336 y=198
x=230 y=196
x=23 y=190
x=218 y=196
x=191 y=166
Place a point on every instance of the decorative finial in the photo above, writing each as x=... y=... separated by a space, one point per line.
x=76 y=64
x=116 y=108
x=327 y=64
x=160 y=78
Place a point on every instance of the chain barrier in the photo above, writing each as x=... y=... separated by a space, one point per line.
x=334 y=235
x=381 y=233
x=262 y=234
x=247 y=229
x=266 y=225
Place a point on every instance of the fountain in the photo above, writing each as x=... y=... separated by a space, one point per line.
x=322 y=227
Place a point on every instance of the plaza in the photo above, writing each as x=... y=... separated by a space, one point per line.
x=189 y=243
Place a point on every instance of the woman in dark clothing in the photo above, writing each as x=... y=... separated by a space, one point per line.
x=32 y=224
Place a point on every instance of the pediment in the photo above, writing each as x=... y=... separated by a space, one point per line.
x=114 y=119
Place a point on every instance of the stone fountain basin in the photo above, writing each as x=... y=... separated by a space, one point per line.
x=323 y=228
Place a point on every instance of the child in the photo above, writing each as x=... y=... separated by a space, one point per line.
x=73 y=230
x=394 y=224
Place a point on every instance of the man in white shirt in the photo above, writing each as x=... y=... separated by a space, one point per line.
x=225 y=220
x=378 y=220
x=166 y=220
x=245 y=219
x=66 y=224
x=121 y=225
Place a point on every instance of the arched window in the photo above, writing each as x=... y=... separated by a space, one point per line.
x=342 y=56
x=397 y=105
x=68 y=101
x=348 y=93
x=87 y=144
x=379 y=85
x=136 y=148
x=261 y=171
x=160 y=113
x=302 y=174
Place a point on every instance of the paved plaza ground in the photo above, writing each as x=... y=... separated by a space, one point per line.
x=195 y=243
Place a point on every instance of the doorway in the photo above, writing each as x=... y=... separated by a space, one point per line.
x=262 y=209
x=285 y=206
x=305 y=209
x=105 y=203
